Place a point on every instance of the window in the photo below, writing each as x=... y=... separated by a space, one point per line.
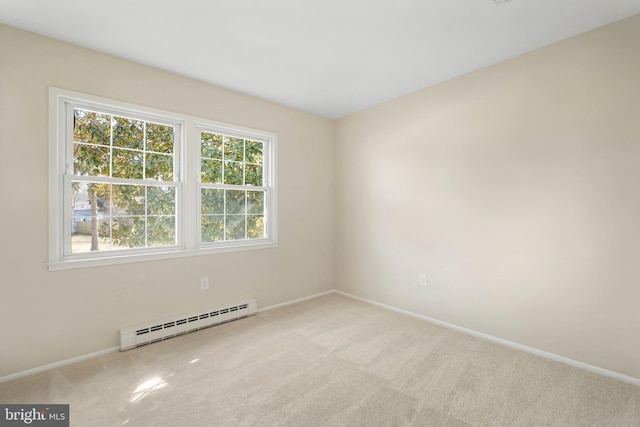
x=231 y=190
x=122 y=187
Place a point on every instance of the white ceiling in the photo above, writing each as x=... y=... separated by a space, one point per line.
x=330 y=57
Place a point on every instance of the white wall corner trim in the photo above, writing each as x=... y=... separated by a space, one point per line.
x=531 y=350
x=58 y=364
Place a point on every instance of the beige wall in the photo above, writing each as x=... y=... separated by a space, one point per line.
x=517 y=189
x=47 y=316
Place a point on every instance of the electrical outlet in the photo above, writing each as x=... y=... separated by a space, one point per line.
x=204 y=283
x=423 y=279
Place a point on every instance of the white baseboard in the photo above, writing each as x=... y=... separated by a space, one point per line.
x=57 y=364
x=535 y=351
x=531 y=350
x=283 y=304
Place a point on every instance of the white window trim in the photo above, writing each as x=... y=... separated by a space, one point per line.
x=188 y=164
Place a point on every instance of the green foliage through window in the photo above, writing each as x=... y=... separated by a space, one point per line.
x=113 y=213
x=136 y=183
x=228 y=212
x=232 y=161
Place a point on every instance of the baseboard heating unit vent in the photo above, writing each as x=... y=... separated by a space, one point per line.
x=151 y=332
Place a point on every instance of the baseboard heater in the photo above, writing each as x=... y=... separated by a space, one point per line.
x=150 y=332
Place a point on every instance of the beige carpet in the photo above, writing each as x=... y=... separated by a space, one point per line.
x=330 y=361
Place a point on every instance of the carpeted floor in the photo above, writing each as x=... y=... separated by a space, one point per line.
x=330 y=361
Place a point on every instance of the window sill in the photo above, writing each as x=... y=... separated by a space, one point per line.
x=114 y=259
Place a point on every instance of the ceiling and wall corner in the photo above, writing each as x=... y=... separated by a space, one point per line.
x=330 y=58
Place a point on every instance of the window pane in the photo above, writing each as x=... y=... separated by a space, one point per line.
x=161 y=200
x=255 y=226
x=255 y=202
x=127 y=164
x=127 y=200
x=128 y=133
x=104 y=235
x=128 y=231
x=159 y=138
x=234 y=149
x=211 y=171
x=235 y=201
x=212 y=228
x=254 y=152
x=159 y=166
x=211 y=145
x=91 y=128
x=81 y=219
x=253 y=175
x=212 y=201
x=90 y=160
x=83 y=240
x=234 y=229
x=161 y=230
x=233 y=173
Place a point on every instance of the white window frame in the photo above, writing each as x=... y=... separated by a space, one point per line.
x=187 y=171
